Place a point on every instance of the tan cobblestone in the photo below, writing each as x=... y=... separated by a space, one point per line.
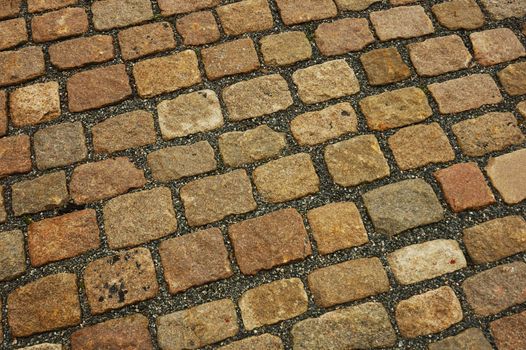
x=12 y=255
x=401 y=23
x=59 y=24
x=301 y=11
x=12 y=33
x=230 y=58
x=513 y=78
x=521 y=108
x=172 y=7
x=509 y=332
x=384 y=66
x=59 y=145
x=354 y=5
x=285 y=48
x=500 y=10
x=10 y=8
x=34 y=104
x=46 y=5
x=108 y=14
x=495 y=46
x=21 y=65
x=80 y=52
x=342 y=36
x=245 y=16
x=471 y=338
x=506 y=173
x=198 y=28
x=260 y=342
x=145 y=40
x=459 y=14
x=15 y=155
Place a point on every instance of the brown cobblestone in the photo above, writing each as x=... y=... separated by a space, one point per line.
x=59 y=24
x=80 y=52
x=285 y=48
x=10 y=8
x=260 y=342
x=21 y=65
x=230 y=58
x=401 y=23
x=59 y=145
x=495 y=46
x=301 y=11
x=354 y=5
x=12 y=255
x=506 y=173
x=15 y=155
x=108 y=14
x=198 y=28
x=500 y=10
x=172 y=7
x=35 y=104
x=12 y=33
x=46 y=5
x=384 y=66
x=146 y=40
x=342 y=36
x=470 y=339
x=513 y=78
x=3 y=113
x=459 y=14
x=509 y=332
x=245 y=16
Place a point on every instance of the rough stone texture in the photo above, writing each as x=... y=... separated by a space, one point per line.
x=257 y=97
x=269 y=240
x=12 y=255
x=325 y=81
x=194 y=259
x=45 y=5
x=401 y=23
x=198 y=28
x=108 y=14
x=34 y=104
x=44 y=346
x=285 y=48
x=3 y=113
x=10 y=8
x=287 y=178
x=15 y=155
x=395 y=108
x=108 y=178
x=494 y=290
x=419 y=145
x=59 y=145
x=189 y=114
x=156 y=219
x=62 y=237
x=46 y=304
x=260 y=342
x=419 y=262
x=215 y=197
x=171 y=7
x=146 y=40
x=354 y=5
x=495 y=46
x=488 y=133
x=505 y=9
x=245 y=16
x=244 y=147
x=459 y=14
x=464 y=187
x=356 y=161
x=384 y=66
x=199 y=326
x=3 y=214
x=513 y=78
x=462 y=94
x=123 y=131
x=161 y=75
x=403 y=205
x=97 y=88
x=80 y=52
x=115 y=281
x=230 y=58
x=12 y=33
x=427 y=313
x=59 y=24
x=509 y=332
x=130 y=332
x=439 y=55
x=506 y=173
x=348 y=281
x=316 y=127
x=42 y=193
x=173 y=163
x=342 y=36
x=21 y=65
x=367 y=323
x=273 y=302
x=301 y=11
x=470 y=339
x=521 y=108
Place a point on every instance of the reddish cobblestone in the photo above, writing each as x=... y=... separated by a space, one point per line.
x=342 y=36
x=198 y=28
x=245 y=16
x=22 y=65
x=59 y=145
x=15 y=155
x=285 y=48
x=46 y=5
x=172 y=7
x=230 y=58
x=12 y=33
x=300 y=11
x=146 y=40
x=59 y=24
x=80 y=52
x=108 y=14
x=509 y=332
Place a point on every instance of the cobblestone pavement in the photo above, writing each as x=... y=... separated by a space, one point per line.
x=262 y=174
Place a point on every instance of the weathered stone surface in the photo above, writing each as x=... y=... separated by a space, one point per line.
x=59 y=24
x=46 y=304
x=419 y=262
x=269 y=240
x=316 y=127
x=521 y=108
x=12 y=33
x=198 y=28
x=260 y=342
x=3 y=113
x=199 y=326
x=273 y=302
x=459 y=14
x=230 y=58
x=12 y=255
x=44 y=346
x=403 y=205
x=59 y=145
x=42 y=193
x=428 y=313
x=15 y=155
x=189 y=114
x=130 y=332
x=108 y=178
x=108 y=14
x=325 y=81
x=213 y=198
x=509 y=332
x=285 y=48
x=287 y=178
x=384 y=66
x=21 y=65
x=62 y=237
x=3 y=214
x=257 y=97
x=45 y=5
x=505 y=9
x=82 y=51
x=161 y=75
x=10 y=8
x=172 y=7
x=301 y=11
x=470 y=339
x=34 y=104
x=495 y=46
x=244 y=147
x=342 y=36
x=356 y=161
x=395 y=108
x=139 y=217
x=146 y=40
x=123 y=131
x=122 y=279
x=463 y=94
x=354 y=5
x=401 y=23
x=368 y=324
x=506 y=173
x=245 y=16
x=494 y=290
x=513 y=78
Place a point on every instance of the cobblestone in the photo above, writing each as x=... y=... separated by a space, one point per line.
x=81 y=52
x=384 y=66
x=496 y=46
x=285 y=48
x=459 y=14
x=509 y=331
x=13 y=261
x=59 y=145
x=34 y=104
x=63 y=23
x=245 y=16
x=12 y=33
x=342 y=36
x=146 y=40
x=230 y=58
x=506 y=174
x=198 y=28
x=401 y=23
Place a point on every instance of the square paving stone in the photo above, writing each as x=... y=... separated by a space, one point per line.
x=198 y=28
x=495 y=46
x=59 y=145
x=342 y=36
x=34 y=104
x=384 y=66
x=30 y=65
x=507 y=174
x=230 y=58
x=13 y=32
x=12 y=255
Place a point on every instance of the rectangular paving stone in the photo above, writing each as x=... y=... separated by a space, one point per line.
x=269 y=240
x=45 y=192
x=230 y=58
x=12 y=255
x=59 y=24
x=509 y=332
x=80 y=52
x=471 y=338
x=273 y=302
x=396 y=108
x=368 y=323
x=325 y=81
x=46 y=5
x=34 y=104
x=285 y=48
x=21 y=65
x=10 y=8
x=245 y=16
x=161 y=75
x=466 y=93
x=259 y=342
x=156 y=219
x=301 y=11
x=108 y=14
x=123 y=279
x=145 y=40
x=15 y=155
x=459 y=14
x=497 y=289
x=342 y=36
x=46 y=304
x=495 y=46
x=124 y=131
x=198 y=28
x=198 y=326
x=420 y=262
x=401 y=23
x=172 y=7
x=3 y=113
x=12 y=33
x=257 y=97
x=513 y=78
x=384 y=66
x=506 y=173
x=62 y=237
x=130 y=332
